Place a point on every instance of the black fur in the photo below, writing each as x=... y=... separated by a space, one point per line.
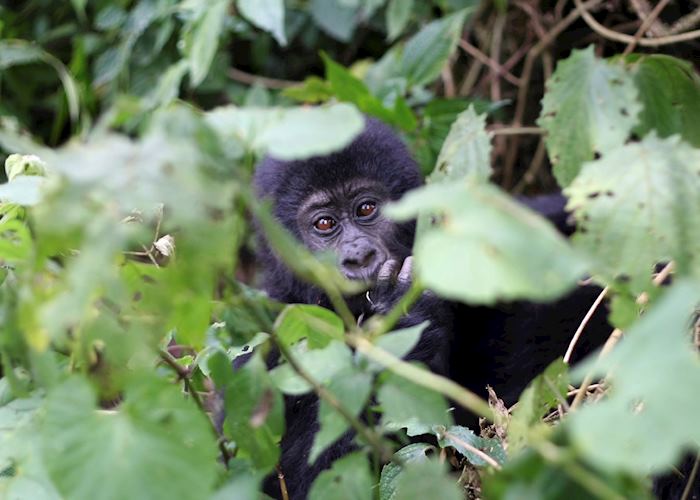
x=504 y=347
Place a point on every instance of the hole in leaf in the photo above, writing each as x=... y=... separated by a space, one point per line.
x=594 y=195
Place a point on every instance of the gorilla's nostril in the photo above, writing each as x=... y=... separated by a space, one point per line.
x=369 y=258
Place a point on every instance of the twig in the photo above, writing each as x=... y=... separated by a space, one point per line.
x=691 y=479
x=496 y=39
x=448 y=81
x=250 y=79
x=485 y=60
x=685 y=23
x=516 y=130
x=645 y=26
x=643 y=9
x=283 y=483
x=622 y=38
x=532 y=170
x=614 y=338
x=419 y=376
x=184 y=375
x=473 y=449
x=369 y=435
x=586 y=319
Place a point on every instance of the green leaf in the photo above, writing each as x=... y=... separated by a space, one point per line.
x=15 y=240
x=254 y=409
x=466 y=152
x=16 y=164
x=321 y=364
x=25 y=190
x=464 y=440
x=491 y=236
x=405 y=404
x=348 y=479
x=589 y=108
x=637 y=206
x=654 y=374
x=426 y=52
x=202 y=40
x=303 y=321
x=398 y=14
x=426 y=479
x=335 y=18
x=391 y=472
x=669 y=90
x=312 y=90
x=265 y=14
x=398 y=343
x=352 y=388
x=349 y=88
x=156 y=445
x=288 y=134
x=541 y=395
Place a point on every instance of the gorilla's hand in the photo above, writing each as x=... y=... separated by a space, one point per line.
x=392 y=282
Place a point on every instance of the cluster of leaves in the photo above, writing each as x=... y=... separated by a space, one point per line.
x=118 y=250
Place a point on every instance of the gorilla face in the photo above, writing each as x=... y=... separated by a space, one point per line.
x=348 y=220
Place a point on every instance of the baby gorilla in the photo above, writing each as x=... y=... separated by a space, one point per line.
x=335 y=203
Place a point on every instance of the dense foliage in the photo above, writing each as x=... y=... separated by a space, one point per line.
x=131 y=130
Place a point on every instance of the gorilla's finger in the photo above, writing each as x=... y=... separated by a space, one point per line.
x=406 y=270
x=386 y=272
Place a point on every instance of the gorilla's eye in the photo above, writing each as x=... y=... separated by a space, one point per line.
x=366 y=209
x=324 y=224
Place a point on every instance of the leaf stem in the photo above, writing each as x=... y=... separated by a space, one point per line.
x=422 y=377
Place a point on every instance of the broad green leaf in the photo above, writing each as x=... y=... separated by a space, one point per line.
x=637 y=206
x=391 y=472
x=254 y=409
x=156 y=445
x=335 y=18
x=541 y=395
x=25 y=190
x=352 y=388
x=462 y=439
x=466 y=152
x=303 y=321
x=669 y=90
x=202 y=40
x=427 y=51
x=312 y=90
x=426 y=479
x=15 y=52
x=405 y=404
x=265 y=14
x=398 y=343
x=654 y=375
x=321 y=364
x=349 y=88
x=589 y=108
x=398 y=14
x=168 y=87
x=504 y=250
x=15 y=240
x=349 y=478
x=22 y=473
x=288 y=134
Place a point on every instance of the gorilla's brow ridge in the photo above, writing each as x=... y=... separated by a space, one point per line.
x=347 y=190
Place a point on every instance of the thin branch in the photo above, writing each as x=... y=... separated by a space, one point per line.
x=369 y=435
x=691 y=479
x=184 y=375
x=614 y=338
x=283 y=483
x=516 y=130
x=645 y=26
x=419 y=376
x=473 y=449
x=583 y=324
x=485 y=60
x=251 y=79
x=623 y=38
x=685 y=23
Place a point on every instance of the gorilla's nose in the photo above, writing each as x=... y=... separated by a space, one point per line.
x=359 y=262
